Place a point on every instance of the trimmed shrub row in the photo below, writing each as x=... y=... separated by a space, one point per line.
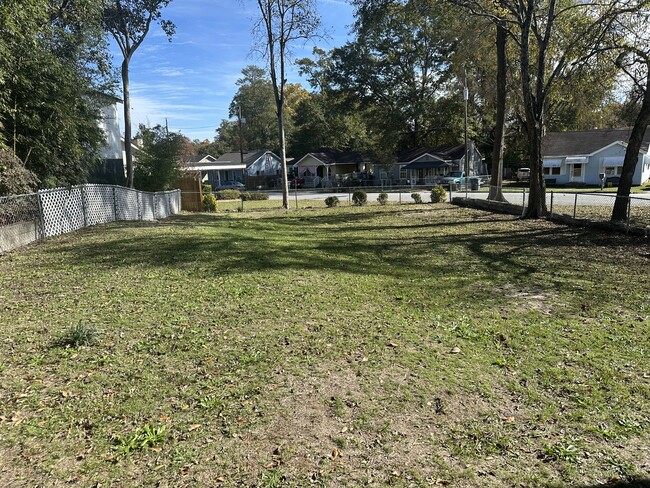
x=249 y=196
x=359 y=197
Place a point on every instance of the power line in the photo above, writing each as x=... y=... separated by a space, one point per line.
x=194 y=128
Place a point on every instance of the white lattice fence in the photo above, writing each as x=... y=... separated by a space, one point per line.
x=163 y=209
x=147 y=206
x=62 y=210
x=99 y=204
x=26 y=218
x=175 y=199
x=127 y=204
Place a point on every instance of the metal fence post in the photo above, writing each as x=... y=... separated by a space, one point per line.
x=551 y=204
x=629 y=207
x=575 y=206
x=41 y=215
x=523 y=202
x=114 y=204
x=84 y=210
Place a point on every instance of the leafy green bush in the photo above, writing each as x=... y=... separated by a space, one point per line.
x=438 y=194
x=332 y=201
x=382 y=198
x=207 y=188
x=248 y=196
x=359 y=197
x=209 y=202
x=228 y=194
x=15 y=179
x=416 y=197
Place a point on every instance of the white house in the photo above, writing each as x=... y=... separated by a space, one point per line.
x=112 y=169
x=580 y=157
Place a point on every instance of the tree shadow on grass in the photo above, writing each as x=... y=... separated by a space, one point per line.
x=223 y=245
x=638 y=483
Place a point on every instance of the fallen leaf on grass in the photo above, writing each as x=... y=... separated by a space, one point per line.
x=455 y=350
x=194 y=427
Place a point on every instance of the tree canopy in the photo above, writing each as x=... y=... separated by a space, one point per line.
x=129 y=22
x=53 y=62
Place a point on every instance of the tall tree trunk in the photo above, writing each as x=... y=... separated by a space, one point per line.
x=127 y=123
x=496 y=181
x=283 y=157
x=533 y=107
x=537 y=194
x=619 y=213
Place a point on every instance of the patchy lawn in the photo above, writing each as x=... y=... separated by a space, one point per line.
x=402 y=345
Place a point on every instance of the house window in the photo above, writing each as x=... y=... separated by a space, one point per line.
x=402 y=173
x=551 y=171
x=613 y=170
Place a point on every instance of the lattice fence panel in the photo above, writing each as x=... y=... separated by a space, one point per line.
x=147 y=206
x=175 y=202
x=62 y=210
x=99 y=204
x=162 y=205
x=127 y=206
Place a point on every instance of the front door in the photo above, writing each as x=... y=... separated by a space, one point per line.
x=576 y=173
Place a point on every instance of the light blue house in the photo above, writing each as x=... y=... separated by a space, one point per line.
x=580 y=157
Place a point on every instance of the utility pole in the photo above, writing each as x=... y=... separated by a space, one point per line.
x=240 y=121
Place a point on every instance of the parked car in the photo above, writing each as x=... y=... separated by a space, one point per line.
x=231 y=185
x=455 y=177
x=523 y=174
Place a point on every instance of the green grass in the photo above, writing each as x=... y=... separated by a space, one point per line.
x=357 y=346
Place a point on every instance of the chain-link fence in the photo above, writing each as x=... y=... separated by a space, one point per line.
x=20 y=221
x=596 y=206
x=29 y=218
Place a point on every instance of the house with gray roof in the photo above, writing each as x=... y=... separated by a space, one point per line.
x=262 y=167
x=580 y=157
x=328 y=166
x=424 y=165
x=214 y=171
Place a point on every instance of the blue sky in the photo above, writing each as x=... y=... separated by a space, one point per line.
x=191 y=80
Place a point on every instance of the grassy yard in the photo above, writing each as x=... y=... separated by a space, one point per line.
x=413 y=345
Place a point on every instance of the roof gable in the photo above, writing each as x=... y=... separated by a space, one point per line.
x=449 y=152
x=331 y=156
x=201 y=159
x=249 y=157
